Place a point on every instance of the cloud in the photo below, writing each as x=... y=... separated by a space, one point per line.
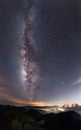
x=20 y=102
x=77 y=82
x=4 y=89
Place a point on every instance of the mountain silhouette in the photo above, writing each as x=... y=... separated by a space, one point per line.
x=68 y=120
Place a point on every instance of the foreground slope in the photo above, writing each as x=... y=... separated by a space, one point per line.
x=20 y=118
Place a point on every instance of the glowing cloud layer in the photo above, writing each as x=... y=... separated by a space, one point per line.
x=20 y=102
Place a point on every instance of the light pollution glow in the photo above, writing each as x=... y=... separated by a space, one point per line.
x=19 y=102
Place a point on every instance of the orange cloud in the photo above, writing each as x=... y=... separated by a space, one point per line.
x=20 y=102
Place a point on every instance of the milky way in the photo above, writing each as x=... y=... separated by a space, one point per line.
x=40 y=51
x=28 y=67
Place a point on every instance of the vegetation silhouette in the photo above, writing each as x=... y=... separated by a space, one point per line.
x=21 y=118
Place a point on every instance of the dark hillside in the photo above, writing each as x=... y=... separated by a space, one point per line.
x=17 y=118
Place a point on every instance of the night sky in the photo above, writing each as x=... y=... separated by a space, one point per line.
x=40 y=51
